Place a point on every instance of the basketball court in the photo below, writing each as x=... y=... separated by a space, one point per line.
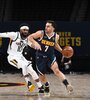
x=12 y=87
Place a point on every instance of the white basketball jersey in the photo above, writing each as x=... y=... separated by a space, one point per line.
x=17 y=44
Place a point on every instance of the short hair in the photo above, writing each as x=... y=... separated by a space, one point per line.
x=52 y=22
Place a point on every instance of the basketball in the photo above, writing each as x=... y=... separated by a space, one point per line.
x=68 y=51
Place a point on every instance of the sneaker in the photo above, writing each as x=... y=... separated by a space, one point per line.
x=31 y=87
x=41 y=89
x=69 y=88
x=47 y=89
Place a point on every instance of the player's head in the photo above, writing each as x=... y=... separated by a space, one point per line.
x=24 y=30
x=50 y=26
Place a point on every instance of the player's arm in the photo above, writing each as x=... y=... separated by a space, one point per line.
x=57 y=46
x=11 y=35
x=32 y=37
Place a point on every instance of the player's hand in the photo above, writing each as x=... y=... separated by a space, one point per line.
x=37 y=46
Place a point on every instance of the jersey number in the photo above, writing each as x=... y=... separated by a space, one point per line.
x=46 y=48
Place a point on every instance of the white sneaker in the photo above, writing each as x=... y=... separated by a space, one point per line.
x=69 y=88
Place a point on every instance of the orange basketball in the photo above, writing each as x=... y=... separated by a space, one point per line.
x=67 y=51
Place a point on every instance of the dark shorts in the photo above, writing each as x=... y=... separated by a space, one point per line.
x=42 y=62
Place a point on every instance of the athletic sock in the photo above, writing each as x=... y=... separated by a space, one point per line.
x=65 y=82
x=47 y=84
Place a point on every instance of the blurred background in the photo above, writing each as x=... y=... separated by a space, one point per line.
x=60 y=10
x=71 y=16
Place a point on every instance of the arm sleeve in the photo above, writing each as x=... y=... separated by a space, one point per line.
x=12 y=35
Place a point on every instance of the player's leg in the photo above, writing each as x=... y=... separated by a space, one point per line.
x=34 y=75
x=43 y=78
x=41 y=68
x=61 y=76
x=16 y=62
x=32 y=72
x=45 y=82
x=31 y=87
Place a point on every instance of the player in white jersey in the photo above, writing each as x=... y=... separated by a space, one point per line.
x=18 y=42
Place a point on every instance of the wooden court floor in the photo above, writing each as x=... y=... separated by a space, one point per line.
x=80 y=82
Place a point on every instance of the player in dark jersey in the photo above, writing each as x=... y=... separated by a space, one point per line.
x=46 y=42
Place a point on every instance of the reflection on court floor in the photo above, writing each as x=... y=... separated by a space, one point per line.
x=81 y=84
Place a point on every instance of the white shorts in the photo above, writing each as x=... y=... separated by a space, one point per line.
x=18 y=61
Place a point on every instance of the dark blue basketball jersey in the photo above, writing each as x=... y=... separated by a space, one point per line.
x=47 y=45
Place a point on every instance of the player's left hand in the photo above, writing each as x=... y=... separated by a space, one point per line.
x=37 y=46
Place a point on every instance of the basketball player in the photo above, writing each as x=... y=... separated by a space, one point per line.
x=47 y=41
x=18 y=42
